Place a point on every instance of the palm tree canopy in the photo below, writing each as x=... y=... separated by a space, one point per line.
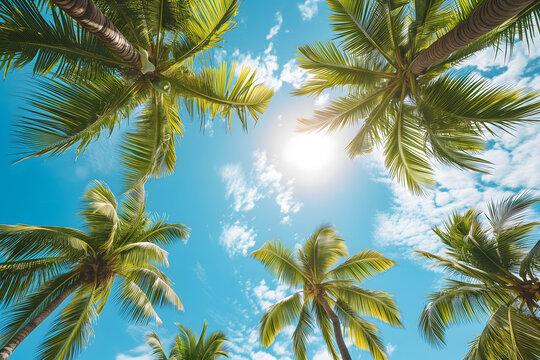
x=177 y=35
x=496 y=274
x=187 y=346
x=119 y=250
x=316 y=273
x=439 y=116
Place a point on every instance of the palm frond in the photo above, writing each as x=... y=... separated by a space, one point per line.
x=300 y=336
x=20 y=278
x=209 y=21
x=458 y=302
x=52 y=42
x=361 y=266
x=323 y=321
x=362 y=333
x=330 y=67
x=322 y=250
x=149 y=150
x=217 y=91
x=280 y=261
x=377 y=304
x=59 y=115
x=158 y=352
x=278 y=316
x=362 y=27
x=72 y=330
x=23 y=242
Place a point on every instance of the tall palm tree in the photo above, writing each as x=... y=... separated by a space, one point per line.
x=108 y=89
x=497 y=279
x=438 y=115
x=327 y=293
x=187 y=346
x=42 y=266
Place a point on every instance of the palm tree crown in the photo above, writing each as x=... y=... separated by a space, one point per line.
x=176 y=35
x=187 y=346
x=439 y=115
x=498 y=278
x=43 y=265
x=328 y=294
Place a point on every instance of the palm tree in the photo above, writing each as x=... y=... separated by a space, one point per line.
x=62 y=114
x=327 y=294
x=42 y=266
x=187 y=346
x=438 y=115
x=497 y=278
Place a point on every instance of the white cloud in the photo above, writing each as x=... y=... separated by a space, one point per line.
x=271 y=179
x=237 y=238
x=275 y=29
x=266 y=65
x=322 y=354
x=266 y=297
x=309 y=9
x=244 y=196
x=322 y=99
x=390 y=349
x=516 y=160
x=266 y=182
x=141 y=352
x=292 y=74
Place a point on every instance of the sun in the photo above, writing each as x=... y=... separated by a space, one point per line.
x=311 y=154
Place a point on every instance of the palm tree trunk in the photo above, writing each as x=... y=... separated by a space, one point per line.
x=486 y=17
x=16 y=340
x=86 y=13
x=337 y=329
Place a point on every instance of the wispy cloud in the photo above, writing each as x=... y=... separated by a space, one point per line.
x=308 y=9
x=244 y=196
x=275 y=29
x=237 y=238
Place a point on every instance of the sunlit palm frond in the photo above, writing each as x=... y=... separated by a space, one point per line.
x=135 y=304
x=278 y=316
x=507 y=335
x=322 y=250
x=149 y=150
x=300 y=336
x=280 y=261
x=19 y=278
x=362 y=27
x=60 y=115
x=325 y=326
x=224 y=92
x=158 y=352
x=32 y=305
x=51 y=42
x=458 y=302
x=376 y=304
x=331 y=67
x=25 y=242
x=362 y=333
x=209 y=20
x=361 y=266
x=72 y=330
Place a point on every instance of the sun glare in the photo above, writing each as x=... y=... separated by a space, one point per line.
x=311 y=153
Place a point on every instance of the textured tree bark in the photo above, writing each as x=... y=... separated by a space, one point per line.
x=7 y=350
x=337 y=329
x=86 y=13
x=489 y=15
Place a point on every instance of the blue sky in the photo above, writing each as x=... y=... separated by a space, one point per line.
x=236 y=190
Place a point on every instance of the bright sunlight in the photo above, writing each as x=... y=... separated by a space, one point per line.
x=311 y=153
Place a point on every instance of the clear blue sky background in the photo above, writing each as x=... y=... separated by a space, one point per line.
x=233 y=201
